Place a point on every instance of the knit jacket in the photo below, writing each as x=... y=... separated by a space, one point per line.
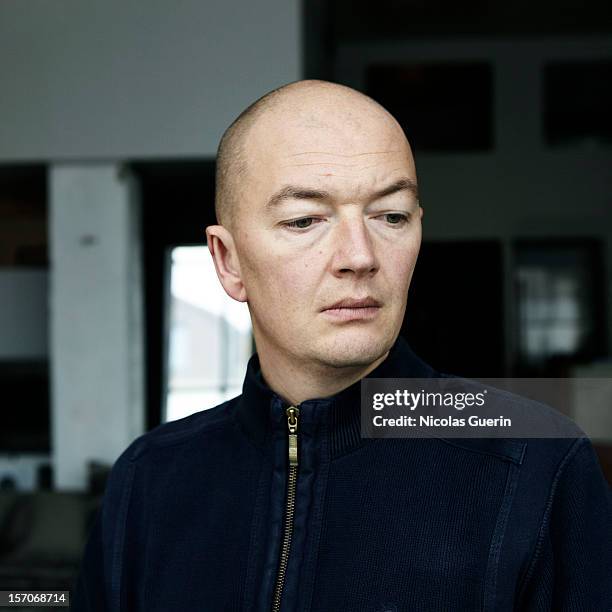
x=195 y=516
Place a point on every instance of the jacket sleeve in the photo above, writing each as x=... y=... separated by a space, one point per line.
x=571 y=568
x=88 y=594
x=98 y=586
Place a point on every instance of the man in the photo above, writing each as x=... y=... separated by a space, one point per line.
x=273 y=500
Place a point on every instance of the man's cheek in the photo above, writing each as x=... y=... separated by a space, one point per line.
x=401 y=260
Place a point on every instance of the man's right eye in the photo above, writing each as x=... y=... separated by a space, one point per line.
x=299 y=223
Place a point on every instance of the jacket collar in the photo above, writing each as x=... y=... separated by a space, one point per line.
x=259 y=407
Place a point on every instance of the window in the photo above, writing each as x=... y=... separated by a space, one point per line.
x=209 y=336
x=559 y=304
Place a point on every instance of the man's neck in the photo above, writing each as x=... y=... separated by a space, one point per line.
x=296 y=383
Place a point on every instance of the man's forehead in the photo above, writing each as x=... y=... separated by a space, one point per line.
x=354 y=173
x=318 y=111
x=285 y=146
x=353 y=148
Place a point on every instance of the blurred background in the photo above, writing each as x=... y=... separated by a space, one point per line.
x=112 y=319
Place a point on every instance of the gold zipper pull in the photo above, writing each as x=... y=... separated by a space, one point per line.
x=292 y=422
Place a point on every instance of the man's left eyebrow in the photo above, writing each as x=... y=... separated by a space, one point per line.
x=404 y=184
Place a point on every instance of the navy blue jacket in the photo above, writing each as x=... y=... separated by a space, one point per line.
x=193 y=516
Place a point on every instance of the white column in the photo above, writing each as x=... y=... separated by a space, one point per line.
x=96 y=326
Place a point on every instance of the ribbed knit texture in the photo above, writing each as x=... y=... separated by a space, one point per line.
x=575 y=549
x=193 y=512
x=407 y=525
x=345 y=430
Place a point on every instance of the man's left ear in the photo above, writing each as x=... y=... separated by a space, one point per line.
x=223 y=250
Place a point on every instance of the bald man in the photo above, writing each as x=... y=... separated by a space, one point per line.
x=273 y=500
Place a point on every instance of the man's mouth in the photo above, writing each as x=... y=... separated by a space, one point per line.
x=364 y=302
x=352 y=309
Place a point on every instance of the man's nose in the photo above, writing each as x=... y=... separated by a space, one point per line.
x=354 y=246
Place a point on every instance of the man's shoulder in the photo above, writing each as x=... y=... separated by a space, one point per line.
x=180 y=431
x=560 y=434
x=146 y=460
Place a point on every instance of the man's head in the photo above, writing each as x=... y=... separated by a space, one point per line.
x=316 y=200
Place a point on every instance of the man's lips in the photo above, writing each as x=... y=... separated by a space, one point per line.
x=365 y=302
x=352 y=309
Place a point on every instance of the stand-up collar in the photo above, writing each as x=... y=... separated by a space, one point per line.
x=258 y=406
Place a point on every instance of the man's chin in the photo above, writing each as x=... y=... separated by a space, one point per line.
x=354 y=349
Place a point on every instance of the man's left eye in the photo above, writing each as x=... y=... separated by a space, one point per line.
x=400 y=218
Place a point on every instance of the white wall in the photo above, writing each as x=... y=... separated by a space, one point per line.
x=96 y=317
x=121 y=78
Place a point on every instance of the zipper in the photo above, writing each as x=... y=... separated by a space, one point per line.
x=292 y=425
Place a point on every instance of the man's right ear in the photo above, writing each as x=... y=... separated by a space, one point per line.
x=223 y=250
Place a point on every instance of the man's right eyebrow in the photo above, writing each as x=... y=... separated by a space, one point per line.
x=291 y=192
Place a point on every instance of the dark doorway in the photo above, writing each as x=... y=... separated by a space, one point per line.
x=454 y=317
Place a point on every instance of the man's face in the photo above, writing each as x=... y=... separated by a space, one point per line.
x=330 y=233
